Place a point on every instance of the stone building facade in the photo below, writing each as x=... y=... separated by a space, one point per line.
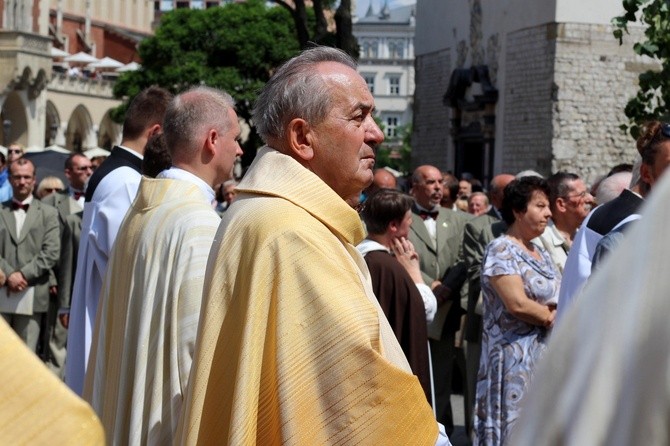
x=499 y=91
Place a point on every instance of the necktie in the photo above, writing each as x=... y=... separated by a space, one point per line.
x=16 y=205
x=425 y=214
x=77 y=195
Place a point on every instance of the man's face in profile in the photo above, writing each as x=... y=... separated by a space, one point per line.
x=346 y=141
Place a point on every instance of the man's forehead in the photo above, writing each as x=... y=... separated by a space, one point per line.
x=81 y=160
x=22 y=170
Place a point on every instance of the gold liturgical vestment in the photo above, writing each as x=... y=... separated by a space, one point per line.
x=35 y=406
x=292 y=346
x=148 y=313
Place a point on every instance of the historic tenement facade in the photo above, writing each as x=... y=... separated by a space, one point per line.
x=386 y=40
x=500 y=91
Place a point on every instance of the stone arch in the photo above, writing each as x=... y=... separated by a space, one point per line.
x=79 y=127
x=108 y=132
x=14 y=111
x=52 y=129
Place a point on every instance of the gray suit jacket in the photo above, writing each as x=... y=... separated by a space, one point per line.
x=69 y=214
x=62 y=202
x=436 y=261
x=71 y=233
x=35 y=251
x=479 y=232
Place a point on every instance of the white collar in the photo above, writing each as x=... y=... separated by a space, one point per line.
x=175 y=173
x=131 y=151
x=368 y=245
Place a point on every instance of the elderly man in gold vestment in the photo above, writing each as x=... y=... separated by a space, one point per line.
x=149 y=305
x=292 y=346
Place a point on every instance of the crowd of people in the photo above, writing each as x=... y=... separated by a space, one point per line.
x=317 y=300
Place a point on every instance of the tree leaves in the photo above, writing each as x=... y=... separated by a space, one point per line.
x=653 y=98
x=234 y=47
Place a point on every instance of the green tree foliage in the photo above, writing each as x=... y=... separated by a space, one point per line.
x=396 y=157
x=653 y=97
x=233 y=47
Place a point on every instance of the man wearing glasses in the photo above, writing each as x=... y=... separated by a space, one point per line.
x=570 y=203
x=78 y=170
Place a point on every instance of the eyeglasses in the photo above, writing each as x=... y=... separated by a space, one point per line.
x=52 y=189
x=665 y=129
x=579 y=195
x=14 y=151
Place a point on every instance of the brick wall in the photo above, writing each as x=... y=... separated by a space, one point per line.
x=431 y=141
x=528 y=89
x=595 y=77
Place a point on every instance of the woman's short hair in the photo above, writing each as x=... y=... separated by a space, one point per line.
x=48 y=185
x=652 y=136
x=384 y=207
x=518 y=193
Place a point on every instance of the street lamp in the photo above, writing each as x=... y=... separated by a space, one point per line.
x=6 y=128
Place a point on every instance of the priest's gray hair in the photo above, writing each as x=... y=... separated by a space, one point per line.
x=191 y=114
x=296 y=91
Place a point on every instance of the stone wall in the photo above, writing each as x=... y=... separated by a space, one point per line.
x=528 y=91
x=431 y=140
x=594 y=77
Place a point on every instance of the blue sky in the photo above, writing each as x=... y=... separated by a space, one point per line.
x=362 y=5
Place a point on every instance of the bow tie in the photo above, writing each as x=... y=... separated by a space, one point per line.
x=425 y=214
x=16 y=205
x=77 y=195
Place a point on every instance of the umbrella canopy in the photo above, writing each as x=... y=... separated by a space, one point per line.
x=132 y=66
x=48 y=163
x=55 y=52
x=81 y=57
x=106 y=62
x=96 y=151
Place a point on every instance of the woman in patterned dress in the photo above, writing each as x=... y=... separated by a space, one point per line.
x=519 y=287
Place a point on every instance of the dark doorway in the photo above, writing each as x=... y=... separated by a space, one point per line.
x=470 y=158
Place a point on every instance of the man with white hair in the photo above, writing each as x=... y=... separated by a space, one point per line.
x=612 y=186
x=292 y=346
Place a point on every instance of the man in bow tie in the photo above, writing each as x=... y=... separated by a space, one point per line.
x=70 y=204
x=437 y=235
x=78 y=170
x=29 y=248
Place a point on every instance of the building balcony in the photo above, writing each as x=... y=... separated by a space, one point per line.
x=25 y=61
x=100 y=86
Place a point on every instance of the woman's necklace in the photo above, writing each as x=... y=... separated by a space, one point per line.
x=526 y=246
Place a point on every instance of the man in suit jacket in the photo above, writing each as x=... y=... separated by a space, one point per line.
x=437 y=235
x=29 y=248
x=477 y=234
x=78 y=170
x=70 y=204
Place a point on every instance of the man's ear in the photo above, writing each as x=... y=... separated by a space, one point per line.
x=560 y=204
x=300 y=139
x=209 y=146
x=645 y=173
x=154 y=130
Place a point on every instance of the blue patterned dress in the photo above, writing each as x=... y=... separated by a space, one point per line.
x=510 y=346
